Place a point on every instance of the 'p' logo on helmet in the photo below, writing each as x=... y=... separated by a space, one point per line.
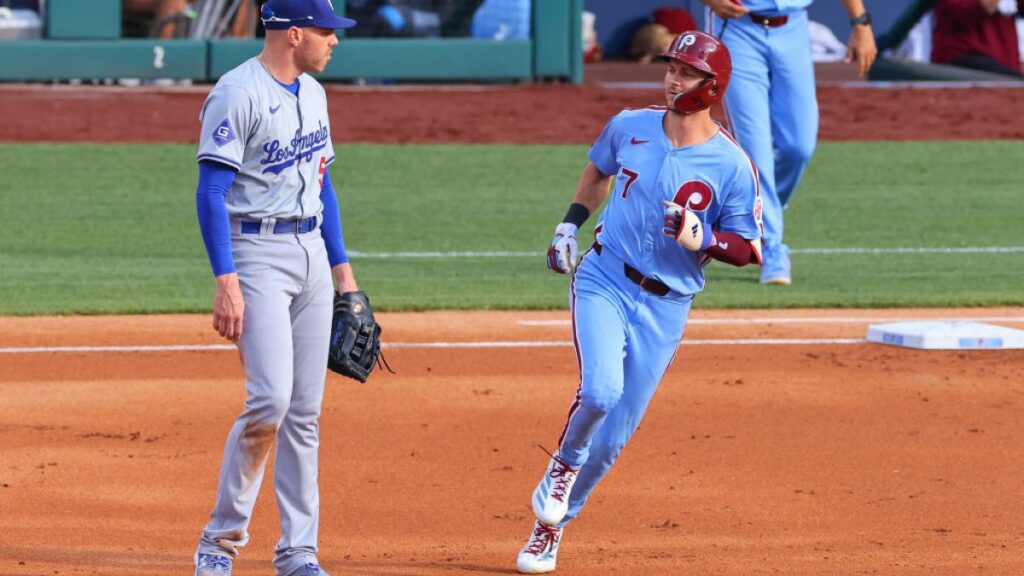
x=705 y=53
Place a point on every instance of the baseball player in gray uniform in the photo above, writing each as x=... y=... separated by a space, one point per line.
x=271 y=225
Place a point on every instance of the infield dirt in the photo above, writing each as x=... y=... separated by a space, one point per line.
x=801 y=459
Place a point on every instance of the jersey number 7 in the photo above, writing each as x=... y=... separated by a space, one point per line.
x=631 y=177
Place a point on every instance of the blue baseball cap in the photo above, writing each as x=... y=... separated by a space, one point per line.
x=283 y=14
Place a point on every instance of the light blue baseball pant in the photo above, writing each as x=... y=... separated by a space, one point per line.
x=772 y=107
x=625 y=339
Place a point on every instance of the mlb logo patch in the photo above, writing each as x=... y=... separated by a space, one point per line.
x=223 y=134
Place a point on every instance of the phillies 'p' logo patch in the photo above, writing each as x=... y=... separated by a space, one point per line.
x=695 y=195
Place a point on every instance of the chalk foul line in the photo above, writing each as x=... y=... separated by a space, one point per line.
x=804 y=320
x=808 y=251
x=413 y=345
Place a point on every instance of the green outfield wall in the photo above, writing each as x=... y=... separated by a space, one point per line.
x=82 y=46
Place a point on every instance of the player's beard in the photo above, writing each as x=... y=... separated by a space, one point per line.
x=314 y=61
x=670 y=101
x=322 y=60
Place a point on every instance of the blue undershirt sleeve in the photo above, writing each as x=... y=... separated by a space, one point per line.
x=215 y=180
x=331 y=231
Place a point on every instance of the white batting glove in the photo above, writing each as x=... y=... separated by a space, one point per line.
x=673 y=218
x=564 y=252
x=686 y=227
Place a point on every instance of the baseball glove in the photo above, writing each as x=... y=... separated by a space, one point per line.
x=355 y=336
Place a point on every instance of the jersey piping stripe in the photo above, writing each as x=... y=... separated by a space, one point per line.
x=754 y=168
x=757 y=188
x=574 y=407
x=220 y=159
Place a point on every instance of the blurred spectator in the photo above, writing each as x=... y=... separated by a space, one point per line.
x=917 y=46
x=20 y=20
x=246 y=23
x=20 y=4
x=156 y=18
x=677 y=20
x=648 y=41
x=652 y=38
x=978 y=34
x=592 y=51
x=825 y=46
x=411 y=18
x=502 y=20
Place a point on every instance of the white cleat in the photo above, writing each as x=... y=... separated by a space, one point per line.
x=551 y=498
x=212 y=565
x=540 y=554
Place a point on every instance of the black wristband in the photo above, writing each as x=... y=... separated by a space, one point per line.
x=862 y=20
x=577 y=214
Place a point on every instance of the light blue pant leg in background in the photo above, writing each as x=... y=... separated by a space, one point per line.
x=772 y=110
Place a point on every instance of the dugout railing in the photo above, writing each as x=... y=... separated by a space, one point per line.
x=83 y=42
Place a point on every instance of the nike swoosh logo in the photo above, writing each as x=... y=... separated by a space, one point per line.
x=273 y=109
x=635 y=141
x=723 y=245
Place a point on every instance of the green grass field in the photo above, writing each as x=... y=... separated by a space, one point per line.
x=112 y=228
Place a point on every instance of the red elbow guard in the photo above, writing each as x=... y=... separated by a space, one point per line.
x=734 y=249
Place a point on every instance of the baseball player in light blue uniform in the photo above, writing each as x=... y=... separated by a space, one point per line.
x=771 y=105
x=682 y=192
x=271 y=225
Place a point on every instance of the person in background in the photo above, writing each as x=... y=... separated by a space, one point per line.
x=649 y=40
x=412 y=18
x=772 y=106
x=654 y=37
x=20 y=4
x=161 y=13
x=977 y=34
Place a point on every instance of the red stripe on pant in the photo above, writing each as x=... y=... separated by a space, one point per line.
x=579 y=363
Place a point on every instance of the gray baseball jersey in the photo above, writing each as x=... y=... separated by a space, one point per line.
x=280 y=143
x=253 y=124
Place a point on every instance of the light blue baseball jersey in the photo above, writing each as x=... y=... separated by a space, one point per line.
x=715 y=179
x=773 y=7
x=279 y=142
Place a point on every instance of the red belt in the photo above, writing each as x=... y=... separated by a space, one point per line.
x=650 y=284
x=769 y=21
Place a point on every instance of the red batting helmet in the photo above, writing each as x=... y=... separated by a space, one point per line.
x=705 y=53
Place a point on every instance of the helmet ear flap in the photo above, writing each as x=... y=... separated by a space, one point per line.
x=712 y=88
x=700 y=97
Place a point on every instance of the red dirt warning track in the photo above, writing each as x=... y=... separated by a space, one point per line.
x=534 y=114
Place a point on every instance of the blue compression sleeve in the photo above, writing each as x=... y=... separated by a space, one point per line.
x=215 y=180
x=331 y=227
